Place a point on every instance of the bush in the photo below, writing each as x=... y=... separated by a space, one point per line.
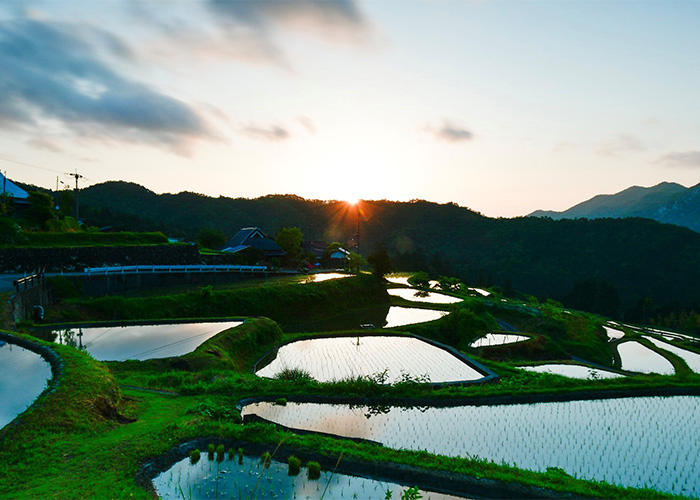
x=314 y=469
x=294 y=465
x=419 y=280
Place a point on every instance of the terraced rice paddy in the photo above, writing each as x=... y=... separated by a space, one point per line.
x=318 y=277
x=491 y=339
x=23 y=376
x=572 y=371
x=613 y=333
x=650 y=441
x=337 y=358
x=119 y=343
x=638 y=358
x=402 y=316
x=210 y=478
x=419 y=296
x=692 y=359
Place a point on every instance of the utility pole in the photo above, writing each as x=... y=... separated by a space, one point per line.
x=77 y=190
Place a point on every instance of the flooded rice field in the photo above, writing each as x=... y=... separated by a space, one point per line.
x=638 y=358
x=318 y=277
x=420 y=296
x=692 y=359
x=646 y=441
x=402 y=316
x=338 y=358
x=572 y=371
x=211 y=477
x=141 y=342
x=491 y=339
x=23 y=376
x=613 y=333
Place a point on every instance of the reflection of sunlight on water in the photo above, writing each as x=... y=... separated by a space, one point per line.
x=596 y=439
x=23 y=376
x=117 y=343
x=417 y=296
x=400 y=316
x=229 y=479
x=491 y=339
x=572 y=371
x=316 y=278
x=336 y=358
x=638 y=358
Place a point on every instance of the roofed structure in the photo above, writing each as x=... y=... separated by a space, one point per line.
x=253 y=237
x=13 y=190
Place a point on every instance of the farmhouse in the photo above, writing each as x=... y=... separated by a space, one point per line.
x=253 y=237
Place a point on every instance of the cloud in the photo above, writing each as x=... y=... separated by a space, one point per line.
x=307 y=123
x=59 y=72
x=680 y=159
x=45 y=143
x=452 y=133
x=336 y=20
x=621 y=145
x=274 y=133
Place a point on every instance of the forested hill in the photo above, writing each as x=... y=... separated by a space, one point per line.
x=665 y=202
x=640 y=258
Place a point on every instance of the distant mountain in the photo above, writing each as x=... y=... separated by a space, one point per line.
x=666 y=202
x=641 y=258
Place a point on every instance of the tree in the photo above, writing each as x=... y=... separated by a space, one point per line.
x=40 y=209
x=290 y=239
x=381 y=262
x=356 y=261
x=211 y=238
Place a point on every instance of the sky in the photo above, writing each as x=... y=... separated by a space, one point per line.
x=504 y=107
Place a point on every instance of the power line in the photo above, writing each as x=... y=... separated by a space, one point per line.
x=30 y=165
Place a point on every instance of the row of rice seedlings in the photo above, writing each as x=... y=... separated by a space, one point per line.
x=633 y=442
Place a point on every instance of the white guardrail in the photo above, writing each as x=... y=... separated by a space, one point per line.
x=172 y=269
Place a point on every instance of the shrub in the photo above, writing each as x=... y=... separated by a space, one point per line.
x=314 y=469
x=294 y=465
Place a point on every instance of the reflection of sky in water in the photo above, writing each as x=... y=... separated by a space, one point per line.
x=400 y=316
x=418 y=296
x=630 y=441
x=498 y=339
x=338 y=358
x=638 y=358
x=117 y=343
x=229 y=479
x=613 y=333
x=23 y=376
x=692 y=359
x=572 y=371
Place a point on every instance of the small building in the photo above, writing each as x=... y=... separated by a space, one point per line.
x=253 y=237
x=13 y=191
x=339 y=258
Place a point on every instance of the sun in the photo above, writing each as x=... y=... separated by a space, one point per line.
x=352 y=201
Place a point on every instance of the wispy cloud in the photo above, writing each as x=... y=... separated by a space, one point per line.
x=621 y=145
x=273 y=133
x=451 y=132
x=57 y=72
x=680 y=159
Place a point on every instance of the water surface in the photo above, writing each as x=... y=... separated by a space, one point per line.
x=210 y=478
x=638 y=358
x=613 y=333
x=572 y=371
x=338 y=358
x=23 y=376
x=118 y=343
x=420 y=296
x=491 y=339
x=692 y=359
x=632 y=442
x=401 y=316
